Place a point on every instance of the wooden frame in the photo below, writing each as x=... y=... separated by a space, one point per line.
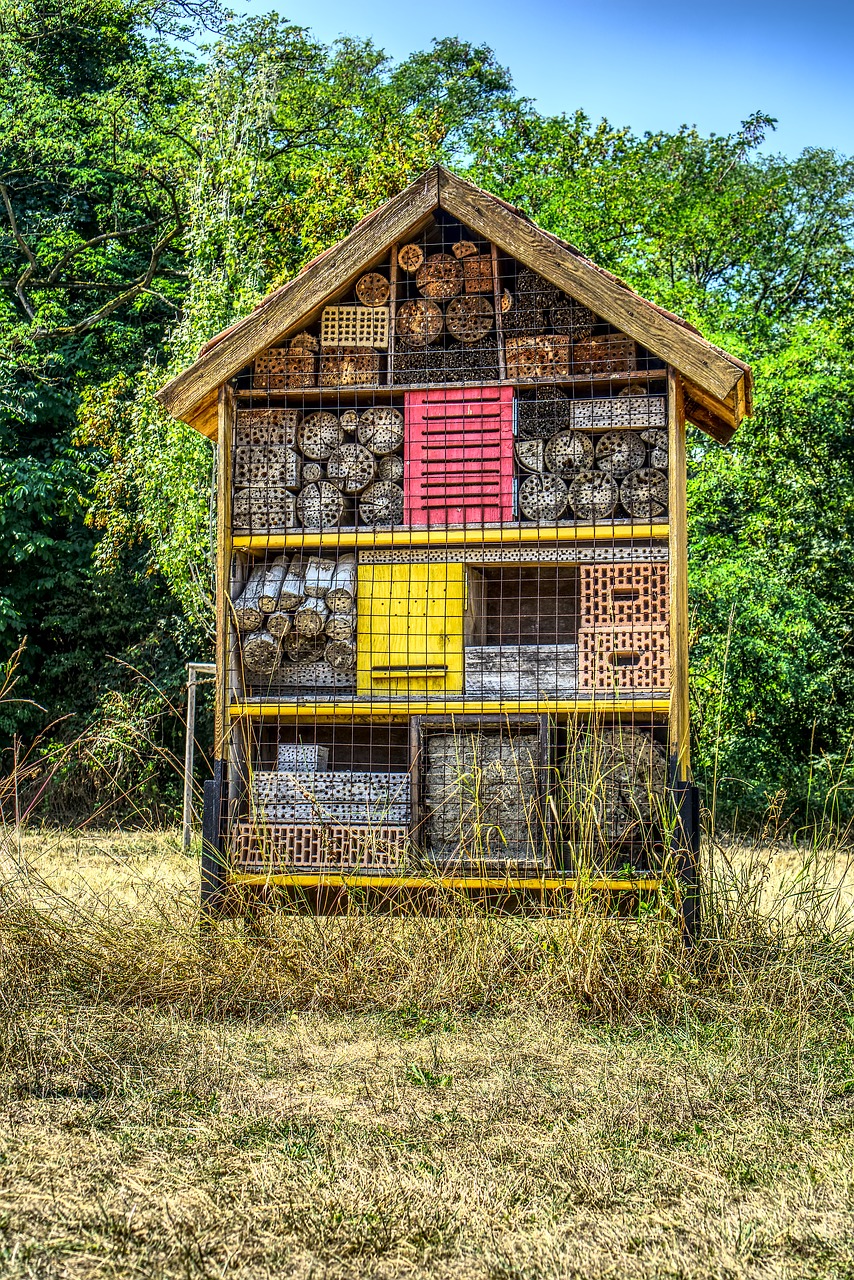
x=680 y=736
x=722 y=380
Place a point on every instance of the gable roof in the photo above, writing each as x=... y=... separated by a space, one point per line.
x=717 y=385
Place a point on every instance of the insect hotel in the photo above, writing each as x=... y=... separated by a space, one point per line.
x=452 y=627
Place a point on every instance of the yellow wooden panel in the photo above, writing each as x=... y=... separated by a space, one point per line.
x=410 y=632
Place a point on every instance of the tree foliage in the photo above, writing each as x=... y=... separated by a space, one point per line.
x=151 y=191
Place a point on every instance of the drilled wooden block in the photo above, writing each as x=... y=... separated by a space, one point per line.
x=262 y=509
x=278 y=368
x=299 y=756
x=608 y=413
x=544 y=355
x=260 y=428
x=329 y=786
x=477 y=273
x=349 y=367
x=518 y=555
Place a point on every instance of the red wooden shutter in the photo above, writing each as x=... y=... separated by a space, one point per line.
x=459 y=455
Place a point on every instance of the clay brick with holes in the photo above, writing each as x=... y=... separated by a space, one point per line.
x=275 y=849
x=623 y=595
x=624 y=659
x=354 y=327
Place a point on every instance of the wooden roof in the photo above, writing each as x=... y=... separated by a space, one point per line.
x=717 y=385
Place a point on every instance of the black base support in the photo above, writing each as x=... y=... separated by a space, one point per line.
x=685 y=797
x=214 y=883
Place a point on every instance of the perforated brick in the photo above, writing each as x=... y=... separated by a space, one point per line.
x=273 y=848
x=624 y=659
x=624 y=595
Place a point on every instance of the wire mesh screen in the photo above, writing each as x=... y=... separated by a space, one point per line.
x=449 y=647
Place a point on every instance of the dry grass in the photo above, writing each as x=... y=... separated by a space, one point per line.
x=462 y=1097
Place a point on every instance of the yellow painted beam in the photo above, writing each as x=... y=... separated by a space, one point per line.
x=506 y=535
x=341 y=880
x=375 y=708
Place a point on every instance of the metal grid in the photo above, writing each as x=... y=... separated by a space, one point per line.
x=403 y=580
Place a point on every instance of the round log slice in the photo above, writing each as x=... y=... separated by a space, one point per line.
x=351 y=467
x=410 y=257
x=373 y=289
x=464 y=249
x=470 y=317
x=593 y=495
x=320 y=505
x=320 y=434
x=568 y=451
x=381 y=429
x=419 y=322
x=643 y=493
x=530 y=454
x=311 y=472
x=542 y=498
x=390 y=467
x=658 y=452
x=304 y=649
x=349 y=419
x=261 y=653
x=341 y=655
x=619 y=452
x=382 y=503
x=279 y=624
x=439 y=276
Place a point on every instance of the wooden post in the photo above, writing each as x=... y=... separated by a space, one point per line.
x=680 y=748
x=392 y=313
x=194 y=669
x=499 y=323
x=225 y=423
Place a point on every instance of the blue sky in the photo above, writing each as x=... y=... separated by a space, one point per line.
x=649 y=66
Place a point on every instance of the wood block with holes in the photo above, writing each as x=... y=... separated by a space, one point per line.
x=618 y=660
x=624 y=595
x=459 y=455
x=477 y=273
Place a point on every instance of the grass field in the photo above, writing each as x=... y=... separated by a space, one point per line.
x=467 y=1097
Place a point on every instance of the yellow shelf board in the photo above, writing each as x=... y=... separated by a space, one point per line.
x=341 y=880
x=375 y=708
x=473 y=536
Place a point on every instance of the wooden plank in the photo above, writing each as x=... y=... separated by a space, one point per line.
x=342 y=879
x=287 y=308
x=717 y=408
x=225 y=428
x=375 y=709
x=205 y=416
x=679 y=714
x=708 y=422
x=499 y=320
x=504 y=535
x=688 y=352
x=410 y=629
x=392 y=311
